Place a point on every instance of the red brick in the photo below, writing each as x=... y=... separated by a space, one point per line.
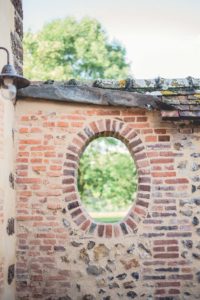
x=166 y=255
x=160 y=292
x=173 y=249
x=39 y=168
x=28 y=180
x=159 y=249
x=76 y=124
x=160 y=131
x=174 y=291
x=162 y=160
x=108 y=231
x=177 y=181
x=142 y=119
x=24 y=118
x=131 y=224
x=24 y=130
x=49 y=154
x=129 y=119
x=163 y=138
x=100 y=230
x=30 y=142
x=49 y=124
x=42 y=148
x=151 y=138
x=86 y=225
x=163 y=174
x=94 y=127
x=168 y=284
x=133 y=112
x=62 y=124
x=29 y=218
x=116 y=230
x=35 y=130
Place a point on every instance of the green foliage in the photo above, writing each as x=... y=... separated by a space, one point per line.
x=66 y=48
x=107 y=219
x=107 y=178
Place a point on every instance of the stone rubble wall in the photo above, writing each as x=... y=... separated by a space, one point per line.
x=16 y=36
x=11 y=32
x=154 y=253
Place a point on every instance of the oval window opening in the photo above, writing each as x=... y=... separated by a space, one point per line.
x=107 y=179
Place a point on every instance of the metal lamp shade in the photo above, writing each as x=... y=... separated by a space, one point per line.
x=9 y=71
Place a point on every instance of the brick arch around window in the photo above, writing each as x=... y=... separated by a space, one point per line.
x=139 y=209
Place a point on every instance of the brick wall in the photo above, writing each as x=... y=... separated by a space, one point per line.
x=154 y=253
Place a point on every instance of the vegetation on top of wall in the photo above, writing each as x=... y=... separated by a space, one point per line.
x=67 y=48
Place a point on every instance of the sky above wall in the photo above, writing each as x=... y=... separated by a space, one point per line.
x=162 y=37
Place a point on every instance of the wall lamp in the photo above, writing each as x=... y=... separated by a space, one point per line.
x=10 y=80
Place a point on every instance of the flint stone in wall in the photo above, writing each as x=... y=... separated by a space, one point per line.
x=113 y=285
x=185 y=201
x=197 y=201
x=94 y=270
x=128 y=264
x=101 y=291
x=198 y=276
x=196 y=255
x=195 y=221
x=83 y=255
x=135 y=275
x=90 y=245
x=196 y=178
x=178 y=146
x=111 y=267
x=88 y=297
x=59 y=248
x=187 y=213
x=144 y=249
x=195 y=167
x=110 y=278
x=188 y=243
x=182 y=164
x=129 y=284
x=195 y=155
x=184 y=254
x=76 y=244
x=100 y=251
x=121 y=276
x=194 y=188
x=131 y=294
x=66 y=223
x=131 y=249
x=101 y=283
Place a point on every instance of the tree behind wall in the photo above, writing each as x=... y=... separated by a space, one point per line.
x=66 y=49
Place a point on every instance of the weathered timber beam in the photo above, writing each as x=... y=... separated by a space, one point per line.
x=89 y=95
